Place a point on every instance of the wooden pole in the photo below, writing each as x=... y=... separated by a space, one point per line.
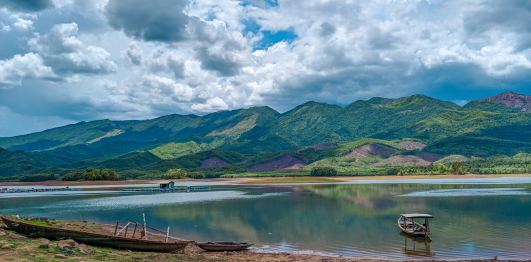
x=145 y=229
x=126 y=226
x=134 y=230
x=167 y=234
x=116 y=229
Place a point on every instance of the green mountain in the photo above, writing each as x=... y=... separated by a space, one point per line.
x=496 y=125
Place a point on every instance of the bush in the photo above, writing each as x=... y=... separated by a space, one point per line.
x=91 y=175
x=323 y=171
x=39 y=177
x=195 y=175
x=174 y=174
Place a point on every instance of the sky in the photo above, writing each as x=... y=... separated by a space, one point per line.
x=65 y=61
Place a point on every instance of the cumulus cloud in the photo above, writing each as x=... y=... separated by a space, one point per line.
x=133 y=54
x=66 y=54
x=30 y=65
x=160 y=20
x=198 y=56
x=22 y=24
x=212 y=104
x=26 y=6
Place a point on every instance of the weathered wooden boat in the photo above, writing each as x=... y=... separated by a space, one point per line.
x=224 y=246
x=94 y=239
x=407 y=223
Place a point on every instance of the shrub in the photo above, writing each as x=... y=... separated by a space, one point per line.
x=323 y=171
x=195 y=175
x=174 y=174
x=91 y=175
x=39 y=177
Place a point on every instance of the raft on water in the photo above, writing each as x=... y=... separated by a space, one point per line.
x=94 y=239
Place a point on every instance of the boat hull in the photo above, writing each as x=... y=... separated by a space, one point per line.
x=415 y=234
x=223 y=246
x=94 y=239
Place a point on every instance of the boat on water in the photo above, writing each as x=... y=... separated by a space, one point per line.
x=409 y=226
x=224 y=246
x=94 y=239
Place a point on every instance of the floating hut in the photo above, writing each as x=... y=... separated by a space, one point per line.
x=166 y=184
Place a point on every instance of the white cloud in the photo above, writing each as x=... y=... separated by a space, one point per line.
x=199 y=56
x=133 y=54
x=4 y=28
x=30 y=65
x=22 y=24
x=212 y=104
x=66 y=54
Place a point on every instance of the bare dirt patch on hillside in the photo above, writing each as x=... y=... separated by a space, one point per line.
x=410 y=145
x=370 y=150
x=288 y=161
x=379 y=150
x=401 y=160
x=452 y=158
x=358 y=153
x=430 y=157
x=214 y=162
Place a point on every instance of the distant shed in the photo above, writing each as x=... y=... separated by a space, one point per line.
x=166 y=184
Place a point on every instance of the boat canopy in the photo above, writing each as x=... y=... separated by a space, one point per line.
x=416 y=215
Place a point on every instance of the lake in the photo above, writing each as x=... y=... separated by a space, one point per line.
x=478 y=218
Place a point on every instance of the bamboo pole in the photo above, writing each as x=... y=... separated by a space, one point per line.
x=134 y=231
x=145 y=229
x=167 y=234
x=126 y=226
x=115 y=229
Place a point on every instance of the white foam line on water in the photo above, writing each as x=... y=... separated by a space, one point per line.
x=142 y=200
x=468 y=192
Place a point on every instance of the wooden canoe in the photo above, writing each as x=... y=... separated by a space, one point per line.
x=94 y=239
x=409 y=226
x=224 y=246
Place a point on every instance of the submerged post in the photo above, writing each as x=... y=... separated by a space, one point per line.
x=116 y=229
x=167 y=234
x=145 y=229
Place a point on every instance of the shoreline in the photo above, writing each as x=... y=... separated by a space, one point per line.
x=260 y=180
x=27 y=249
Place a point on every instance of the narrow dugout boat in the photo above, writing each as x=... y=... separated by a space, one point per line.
x=224 y=246
x=94 y=239
x=409 y=226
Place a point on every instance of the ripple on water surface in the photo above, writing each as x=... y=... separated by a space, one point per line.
x=468 y=192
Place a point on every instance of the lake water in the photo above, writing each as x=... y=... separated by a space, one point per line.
x=478 y=219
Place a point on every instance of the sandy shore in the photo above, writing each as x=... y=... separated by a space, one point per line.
x=258 y=180
x=27 y=249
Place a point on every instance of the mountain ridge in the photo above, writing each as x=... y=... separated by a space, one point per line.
x=263 y=129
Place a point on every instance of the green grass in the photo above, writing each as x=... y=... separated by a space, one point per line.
x=174 y=150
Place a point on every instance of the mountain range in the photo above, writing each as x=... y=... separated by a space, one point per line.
x=481 y=128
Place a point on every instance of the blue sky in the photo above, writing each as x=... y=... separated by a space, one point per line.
x=65 y=61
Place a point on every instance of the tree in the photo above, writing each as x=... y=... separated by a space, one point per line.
x=323 y=171
x=458 y=168
x=174 y=174
x=442 y=169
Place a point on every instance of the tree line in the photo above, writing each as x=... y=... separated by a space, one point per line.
x=91 y=175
